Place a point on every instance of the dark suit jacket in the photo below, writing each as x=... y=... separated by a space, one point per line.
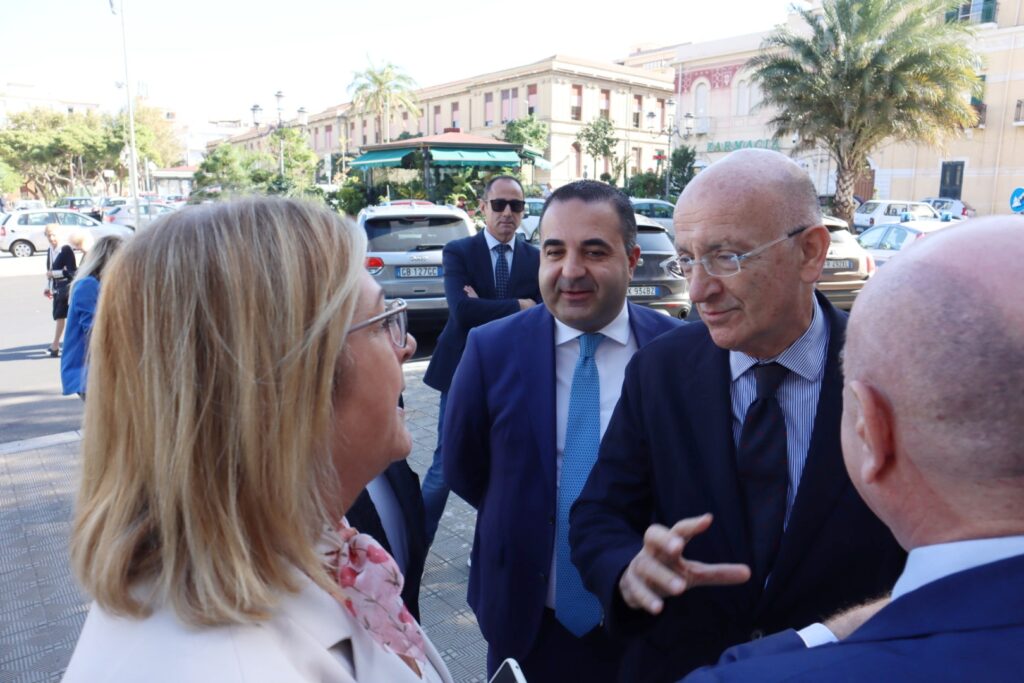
x=363 y=516
x=63 y=261
x=669 y=453
x=500 y=456
x=968 y=626
x=468 y=262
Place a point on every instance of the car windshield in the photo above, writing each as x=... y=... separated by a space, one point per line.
x=868 y=207
x=411 y=233
x=654 y=241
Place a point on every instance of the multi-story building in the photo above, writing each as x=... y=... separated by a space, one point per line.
x=564 y=92
x=18 y=97
x=982 y=166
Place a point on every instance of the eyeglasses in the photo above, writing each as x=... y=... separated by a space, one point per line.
x=517 y=205
x=721 y=263
x=395 y=318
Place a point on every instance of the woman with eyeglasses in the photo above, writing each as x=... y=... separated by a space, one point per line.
x=243 y=389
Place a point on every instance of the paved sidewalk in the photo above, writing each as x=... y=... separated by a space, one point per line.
x=42 y=610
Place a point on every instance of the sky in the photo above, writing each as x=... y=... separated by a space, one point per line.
x=215 y=59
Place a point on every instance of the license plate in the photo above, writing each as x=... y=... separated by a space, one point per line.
x=642 y=291
x=419 y=271
x=838 y=264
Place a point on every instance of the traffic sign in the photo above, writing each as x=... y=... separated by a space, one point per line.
x=1017 y=200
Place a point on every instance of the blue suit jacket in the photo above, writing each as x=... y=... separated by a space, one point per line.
x=968 y=626
x=468 y=262
x=669 y=453
x=500 y=456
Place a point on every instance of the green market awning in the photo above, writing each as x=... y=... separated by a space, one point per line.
x=538 y=158
x=474 y=157
x=380 y=158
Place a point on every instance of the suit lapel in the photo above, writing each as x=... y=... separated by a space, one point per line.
x=643 y=330
x=537 y=366
x=824 y=477
x=483 y=271
x=708 y=397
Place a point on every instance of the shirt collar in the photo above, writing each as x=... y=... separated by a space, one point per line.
x=805 y=356
x=617 y=330
x=493 y=241
x=933 y=562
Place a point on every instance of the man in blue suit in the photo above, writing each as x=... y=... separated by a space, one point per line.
x=737 y=416
x=486 y=277
x=934 y=442
x=526 y=410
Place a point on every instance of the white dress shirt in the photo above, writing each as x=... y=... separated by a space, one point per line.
x=930 y=563
x=612 y=355
x=492 y=242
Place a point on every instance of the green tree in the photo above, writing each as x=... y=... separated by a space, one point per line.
x=299 y=161
x=647 y=184
x=10 y=180
x=598 y=139
x=227 y=170
x=528 y=131
x=680 y=168
x=380 y=91
x=869 y=71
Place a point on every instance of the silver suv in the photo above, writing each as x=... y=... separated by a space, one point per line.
x=405 y=240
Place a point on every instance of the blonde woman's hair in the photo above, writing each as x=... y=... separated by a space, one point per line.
x=97 y=258
x=207 y=477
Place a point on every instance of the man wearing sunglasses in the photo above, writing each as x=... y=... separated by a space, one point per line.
x=486 y=277
x=738 y=417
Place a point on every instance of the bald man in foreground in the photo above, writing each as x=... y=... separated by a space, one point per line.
x=933 y=438
x=737 y=416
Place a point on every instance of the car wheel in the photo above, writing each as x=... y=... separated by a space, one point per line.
x=21 y=249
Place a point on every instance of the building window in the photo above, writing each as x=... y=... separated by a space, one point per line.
x=316 y=137
x=638 y=110
x=515 y=104
x=455 y=115
x=636 y=160
x=743 y=98
x=506 y=106
x=606 y=105
x=488 y=109
x=405 y=121
x=700 y=97
x=328 y=136
x=437 y=119
x=531 y=99
x=577 y=103
x=364 y=131
x=577 y=158
x=661 y=114
x=974 y=12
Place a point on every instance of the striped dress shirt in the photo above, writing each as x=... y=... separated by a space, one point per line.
x=797 y=395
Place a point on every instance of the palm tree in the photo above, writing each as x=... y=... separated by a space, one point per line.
x=869 y=71
x=378 y=91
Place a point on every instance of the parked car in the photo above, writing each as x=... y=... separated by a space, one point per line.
x=26 y=204
x=22 y=233
x=125 y=214
x=847 y=265
x=653 y=285
x=885 y=241
x=531 y=219
x=957 y=208
x=404 y=253
x=658 y=210
x=81 y=204
x=879 y=212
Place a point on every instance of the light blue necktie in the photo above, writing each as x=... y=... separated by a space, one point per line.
x=575 y=607
x=501 y=271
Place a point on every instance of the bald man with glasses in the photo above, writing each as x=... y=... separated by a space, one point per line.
x=486 y=277
x=719 y=508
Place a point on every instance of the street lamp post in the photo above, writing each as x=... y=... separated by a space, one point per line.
x=671 y=131
x=280 y=138
x=255 y=109
x=132 y=150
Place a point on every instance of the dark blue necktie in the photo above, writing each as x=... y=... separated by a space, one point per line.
x=761 y=460
x=501 y=271
x=575 y=607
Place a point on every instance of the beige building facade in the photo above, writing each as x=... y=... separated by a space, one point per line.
x=982 y=166
x=566 y=93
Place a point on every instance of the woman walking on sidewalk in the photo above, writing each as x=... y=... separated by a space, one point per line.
x=60 y=271
x=243 y=389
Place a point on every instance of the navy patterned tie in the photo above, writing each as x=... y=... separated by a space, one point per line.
x=763 y=470
x=575 y=607
x=501 y=271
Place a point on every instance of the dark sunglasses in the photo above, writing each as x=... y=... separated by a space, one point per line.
x=517 y=205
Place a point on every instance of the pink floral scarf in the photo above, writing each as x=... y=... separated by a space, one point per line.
x=372 y=584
